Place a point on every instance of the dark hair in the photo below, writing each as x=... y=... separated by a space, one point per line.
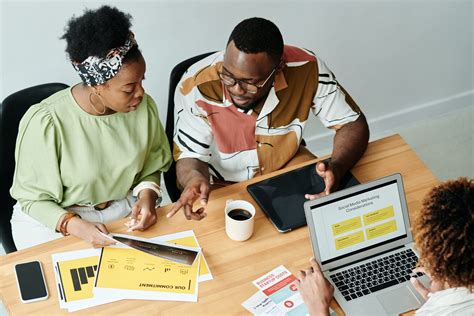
x=96 y=32
x=256 y=35
x=444 y=232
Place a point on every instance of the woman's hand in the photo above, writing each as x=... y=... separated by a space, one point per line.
x=143 y=211
x=316 y=291
x=90 y=232
x=435 y=286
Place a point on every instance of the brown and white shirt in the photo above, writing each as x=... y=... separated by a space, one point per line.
x=239 y=145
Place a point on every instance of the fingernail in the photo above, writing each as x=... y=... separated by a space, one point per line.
x=203 y=202
x=412 y=280
x=168 y=215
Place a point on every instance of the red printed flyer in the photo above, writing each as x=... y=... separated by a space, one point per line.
x=280 y=286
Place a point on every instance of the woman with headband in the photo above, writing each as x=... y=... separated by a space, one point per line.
x=92 y=153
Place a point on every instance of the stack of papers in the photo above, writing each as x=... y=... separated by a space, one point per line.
x=92 y=277
x=277 y=295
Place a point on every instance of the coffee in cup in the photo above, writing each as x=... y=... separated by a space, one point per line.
x=239 y=219
x=239 y=214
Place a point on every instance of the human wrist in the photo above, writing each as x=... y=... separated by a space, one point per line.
x=64 y=222
x=77 y=226
x=195 y=176
x=147 y=194
x=337 y=168
x=148 y=190
x=321 y=310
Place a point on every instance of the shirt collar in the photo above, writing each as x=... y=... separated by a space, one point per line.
x=280 y=81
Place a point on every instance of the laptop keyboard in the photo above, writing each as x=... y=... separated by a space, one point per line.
x=376 y=275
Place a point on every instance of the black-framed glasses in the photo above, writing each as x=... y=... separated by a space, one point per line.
x=230 y=81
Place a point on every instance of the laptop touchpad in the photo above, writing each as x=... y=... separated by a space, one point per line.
x=398 y=301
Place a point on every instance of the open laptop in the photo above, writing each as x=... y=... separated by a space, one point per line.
x=361 y=237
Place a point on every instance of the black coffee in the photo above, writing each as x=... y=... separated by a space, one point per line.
x=239 y=214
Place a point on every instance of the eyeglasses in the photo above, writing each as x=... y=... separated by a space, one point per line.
x=230 y=81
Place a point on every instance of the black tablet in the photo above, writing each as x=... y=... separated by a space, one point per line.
x=282 y=197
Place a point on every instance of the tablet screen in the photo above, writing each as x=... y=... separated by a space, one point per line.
x=282 y=197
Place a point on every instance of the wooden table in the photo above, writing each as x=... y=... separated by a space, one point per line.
x=233 y=264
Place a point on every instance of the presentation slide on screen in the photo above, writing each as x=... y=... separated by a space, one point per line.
x=357 y=222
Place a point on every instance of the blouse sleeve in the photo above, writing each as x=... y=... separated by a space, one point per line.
x=158 y=158
x=37 y=181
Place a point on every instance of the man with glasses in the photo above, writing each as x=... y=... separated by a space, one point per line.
x=241 y=113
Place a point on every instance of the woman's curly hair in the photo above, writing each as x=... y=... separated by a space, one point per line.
x=444 y=233
x=96 y=32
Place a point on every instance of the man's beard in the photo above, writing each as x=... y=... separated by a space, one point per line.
x=250 y=106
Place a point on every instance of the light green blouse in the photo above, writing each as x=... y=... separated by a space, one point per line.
x=65 y=156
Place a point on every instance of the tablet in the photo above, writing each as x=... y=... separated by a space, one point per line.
x=282 y=197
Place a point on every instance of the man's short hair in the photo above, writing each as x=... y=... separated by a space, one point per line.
x=257 y=35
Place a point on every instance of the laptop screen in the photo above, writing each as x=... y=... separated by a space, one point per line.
x=359 y=221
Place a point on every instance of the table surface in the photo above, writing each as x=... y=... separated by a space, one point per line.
x=233 y=264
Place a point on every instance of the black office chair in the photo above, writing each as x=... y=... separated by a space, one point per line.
x=175 y=77
x=12 y=110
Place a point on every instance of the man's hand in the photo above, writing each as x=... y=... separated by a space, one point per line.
x=435 y=286
x=143 y=211
x=331 y=176
x=197 y=188
x=89 y=232
x=316 y=291
x=349 y=145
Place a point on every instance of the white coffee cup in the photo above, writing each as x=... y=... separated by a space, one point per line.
x=239 y=219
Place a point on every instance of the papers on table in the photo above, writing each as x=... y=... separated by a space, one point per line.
x=164 y=250
x=187 y=238
x=260 y=304
x=277 y=295
x=75 y=273
x=119 y=272
x=133 y=274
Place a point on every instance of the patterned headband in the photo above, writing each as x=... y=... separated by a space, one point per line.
x=96 y=70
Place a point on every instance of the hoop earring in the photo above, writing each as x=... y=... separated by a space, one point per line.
x=93 y=106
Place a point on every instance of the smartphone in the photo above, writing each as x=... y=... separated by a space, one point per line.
x=30 y=281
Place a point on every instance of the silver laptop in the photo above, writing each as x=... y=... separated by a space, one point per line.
x=361 y=237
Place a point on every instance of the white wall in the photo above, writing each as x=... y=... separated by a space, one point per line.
x=400 y=60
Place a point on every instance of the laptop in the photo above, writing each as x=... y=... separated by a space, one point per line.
x=282 y=197
x=361 y=237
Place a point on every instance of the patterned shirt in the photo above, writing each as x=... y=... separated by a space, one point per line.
x=238 y=144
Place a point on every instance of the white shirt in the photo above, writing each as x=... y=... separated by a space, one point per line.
x=453 y=301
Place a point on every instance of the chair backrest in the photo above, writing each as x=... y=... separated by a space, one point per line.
x=12 y=110
x=175 y=77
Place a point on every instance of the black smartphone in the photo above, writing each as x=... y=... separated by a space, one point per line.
x=30 y=281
